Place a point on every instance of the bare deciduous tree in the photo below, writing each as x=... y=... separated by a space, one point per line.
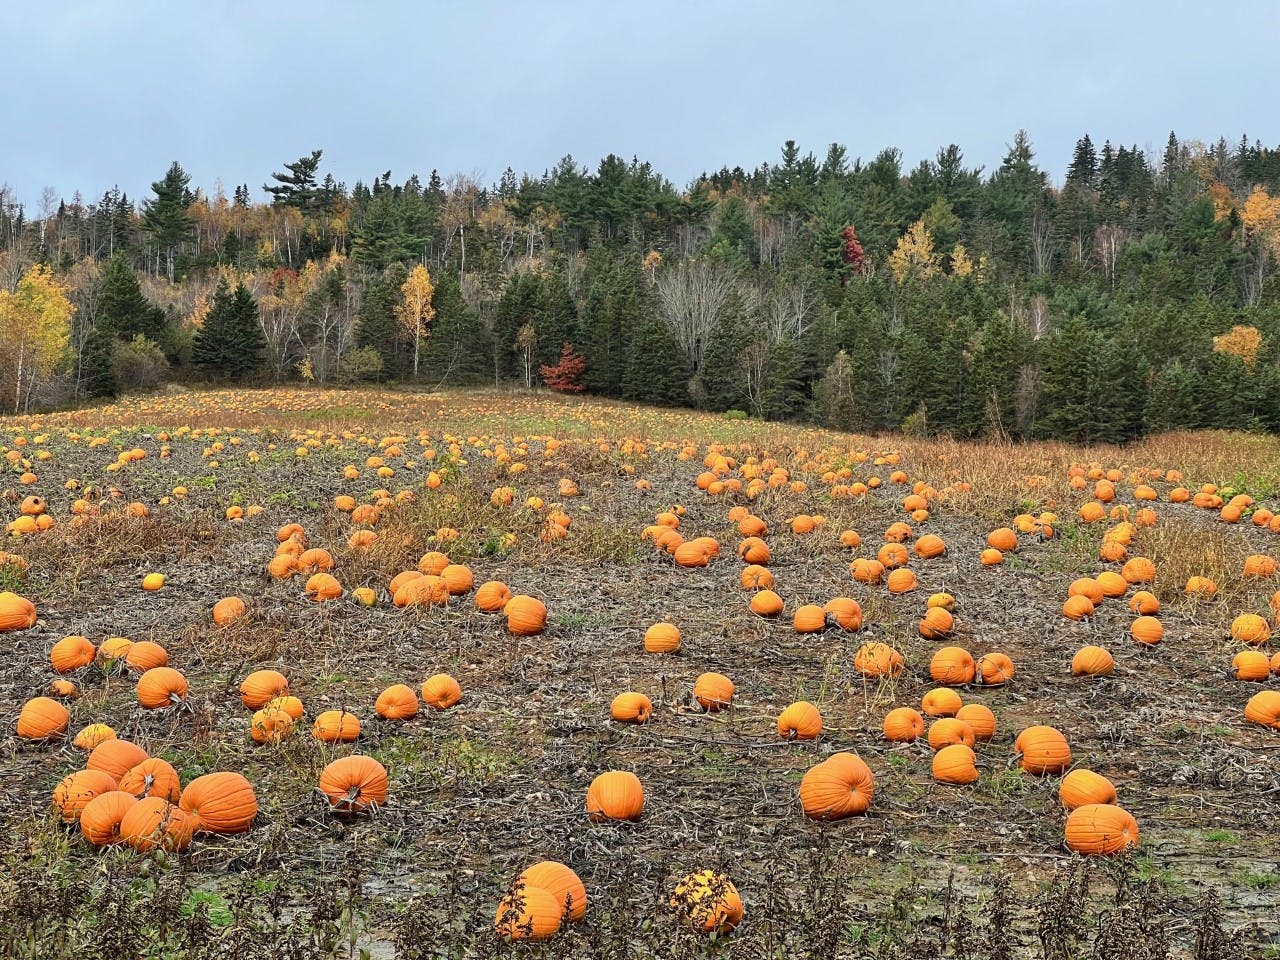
x=692 y=297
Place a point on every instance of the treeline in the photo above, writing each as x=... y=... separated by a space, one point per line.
x=1140 y=294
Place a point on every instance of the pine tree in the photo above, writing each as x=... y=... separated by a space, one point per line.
x=123 y=311
x=95 y=370
x=459 y=351
x=165 y=218
x=656 y=371
x=297 y=187
x=230 y=344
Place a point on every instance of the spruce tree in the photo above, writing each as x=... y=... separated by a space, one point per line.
x=656 y=371
x=95 y=369
x=230 y=344
x=123 y=311
x=165 y=218
x=459 y=351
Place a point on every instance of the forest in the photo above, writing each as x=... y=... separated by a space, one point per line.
x=1138 y=295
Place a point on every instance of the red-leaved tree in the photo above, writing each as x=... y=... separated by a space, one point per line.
x=563 y=376
x=851 y=252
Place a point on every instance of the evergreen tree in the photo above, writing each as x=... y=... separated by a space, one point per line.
x=230 y=343
x=123 y=311
x=783 y=396
x=165 y=218
x=297 y=187
x=656 y=371
x=95 y=370
x=459 y=351
x=376 y=324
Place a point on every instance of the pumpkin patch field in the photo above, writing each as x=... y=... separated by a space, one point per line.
x=303 y=673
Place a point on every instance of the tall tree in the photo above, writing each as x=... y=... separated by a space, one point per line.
x=35 y=326
x=166 y=220
x=123 y=311
x=297 y=186
x=414 y=311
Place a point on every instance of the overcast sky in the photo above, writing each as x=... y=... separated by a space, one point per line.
x=103 y=92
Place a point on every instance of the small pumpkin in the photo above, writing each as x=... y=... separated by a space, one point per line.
x=902 y=725
x=941 y=702
x=1092 y=661
x=16 y=613
x=662 y=637
x=845 y=611
x=707 y=901
x=878 y=660
x=72 y=653
x=261 y=686
x=713 y=692
x=92 y=735
x=153 y=777
x=1264 y=708
x=1251 y=629
x=948 y=730
x=161 y=687
x=526 y=616
x=994 y=669
x=492 y=596
x=1147 y=631
x=1144 y=603
x=228 y=610
x=766 y=603
x=955 y=764
x=336 y=726
x=980 y=719
x=1250 y=665
x=937 y=623
x=952 y=666
x=809 y=618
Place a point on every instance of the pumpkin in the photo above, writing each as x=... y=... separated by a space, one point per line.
x=991 y=557
x=262 y=686
x=1264 y=708
x=756 y=577
x=562 y=883
x=42 y=718
x=397 y=702
x=113 y=649
x=631 y=708
x=754 y=550
x=1250 y=665
x=1147 y=631
x=902 y=725
x=1092 y=661
x=980 y=719
x=161 y=687
x=929 y=546
x=271 y=724
x=948 y=730
x=441 y=691
x=492 y=596
x=101 y=817
x=526 y=616
x=361 y=540
x=1043 y=750
x=955 y=764
x=458 y=579
x=63 y=688
x=72 y=653
x=898 y=532
x=751 y=526
x=282 y=567
x=994 y=669
x=952 y=666
x=1086 y=587
x=419 y=590
x=893 y=555
x=221 y=802
x=290 y=705
x=713 y=692
x=707 y=901
x=321 y=587
x=1144 y=603
x=1112 y=584
x=115 y=758
x=92 y=735
x=838 y=787
x=152 y=777
x=528 y=913
x=336 y=726
x=153 y=581
x=766 y=603
x=845 y=611
x=937 y=623
x=878 y=660
x=315 y=560
x=1138 y=570
x=73 y=792
x=354 y=784
x=16 y=613
x=1201 y=587
x=662 y=638
x=1250 y=628
x=867 y=571
x=850 y=539
x=228 y=610
x=902 y=580
x=800 y=721
x=809 y=618
x=615 y=795
x=1101 y=829
x=156 y=822
x=1077 y=608
x=1258 y=565
x=944 y=600
x=1003 y=539
x=941 y=702
x=364 y=596
x=1082 y=786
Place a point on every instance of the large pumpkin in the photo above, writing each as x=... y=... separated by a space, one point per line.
x=526 y=616
x=615 y=795
x=840 y=786
x=221 y=802
x=354 y=784
x=562 y=883
x=800 y=721
x=1082 y=786
x=1043 y=750
x=528 y=913
x=1101 y=829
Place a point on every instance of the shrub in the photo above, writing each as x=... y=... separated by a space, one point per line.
x=361 y=365
x=139 y=364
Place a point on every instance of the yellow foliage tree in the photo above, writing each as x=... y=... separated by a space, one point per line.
x=961 y=265
x=914 y=256
x=414 y=311
x=1242 y=342
x=35 y=327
